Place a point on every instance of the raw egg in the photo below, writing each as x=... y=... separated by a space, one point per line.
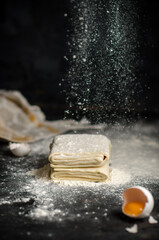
x=138 y=202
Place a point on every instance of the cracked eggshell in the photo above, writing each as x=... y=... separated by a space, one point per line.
x=19 y=149
x=138 y=194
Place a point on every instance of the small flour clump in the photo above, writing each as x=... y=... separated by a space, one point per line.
x=42 y=173
x=42 y=213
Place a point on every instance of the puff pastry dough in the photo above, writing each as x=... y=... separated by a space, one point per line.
x=80 y=157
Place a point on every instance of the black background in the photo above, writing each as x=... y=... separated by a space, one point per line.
x=33 y=45
x=32 y=49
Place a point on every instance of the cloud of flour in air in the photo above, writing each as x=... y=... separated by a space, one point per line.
x=102 y=57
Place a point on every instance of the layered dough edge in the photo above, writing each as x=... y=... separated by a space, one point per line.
x=81 y=157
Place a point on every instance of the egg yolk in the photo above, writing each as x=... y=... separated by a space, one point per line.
x=134 y=208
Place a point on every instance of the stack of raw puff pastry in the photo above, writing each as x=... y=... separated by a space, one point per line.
x=81 y=157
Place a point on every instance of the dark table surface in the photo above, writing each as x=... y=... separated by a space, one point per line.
x=32 y=208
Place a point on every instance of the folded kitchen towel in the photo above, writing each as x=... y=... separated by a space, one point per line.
x=22 y=122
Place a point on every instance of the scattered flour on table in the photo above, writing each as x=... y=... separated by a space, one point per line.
x=134 y=161
x=52 y=196
x=67 y=191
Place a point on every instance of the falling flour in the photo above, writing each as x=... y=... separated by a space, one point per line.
x=102 y=58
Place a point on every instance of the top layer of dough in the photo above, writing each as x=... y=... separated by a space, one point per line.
x=80 y=149
x=80 y=143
